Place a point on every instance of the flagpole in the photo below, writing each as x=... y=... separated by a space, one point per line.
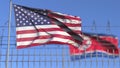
x=9 y=23
x=1 y=37
x=109 y=32
x=108 y=27
x=95 y=30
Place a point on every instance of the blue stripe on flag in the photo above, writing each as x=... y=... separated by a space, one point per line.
x=95 y=54
x=92 y=34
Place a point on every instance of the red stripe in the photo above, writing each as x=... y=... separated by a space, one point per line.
x=78 y=32
x=69 y=24
x=44 y=37
x=63 y=17
x=42 y=30
x=33 y=38
x=36 y=44
x=72 y=24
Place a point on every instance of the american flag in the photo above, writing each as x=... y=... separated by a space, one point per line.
x=38 y=26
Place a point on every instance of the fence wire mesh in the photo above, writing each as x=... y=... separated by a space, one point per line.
x=47 y=56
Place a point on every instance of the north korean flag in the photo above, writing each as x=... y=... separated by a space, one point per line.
x=96 y=45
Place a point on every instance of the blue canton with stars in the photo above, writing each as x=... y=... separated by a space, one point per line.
x=29 y=16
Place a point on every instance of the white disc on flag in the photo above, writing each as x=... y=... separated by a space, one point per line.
x=86 y=43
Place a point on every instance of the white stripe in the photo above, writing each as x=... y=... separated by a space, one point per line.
x=41 y=34
x=69 y=21
x=65 y=14
x=44 y=27
x=40 y=41
x=75 y=28
x=37 y=26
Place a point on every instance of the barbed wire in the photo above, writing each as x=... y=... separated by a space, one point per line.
x=81 y=26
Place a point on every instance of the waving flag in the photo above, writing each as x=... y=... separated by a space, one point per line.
x=37 y=26
x=99 y=45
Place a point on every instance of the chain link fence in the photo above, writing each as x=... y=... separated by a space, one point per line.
x=46 y=56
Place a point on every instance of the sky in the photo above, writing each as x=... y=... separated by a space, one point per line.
x=99 y=11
